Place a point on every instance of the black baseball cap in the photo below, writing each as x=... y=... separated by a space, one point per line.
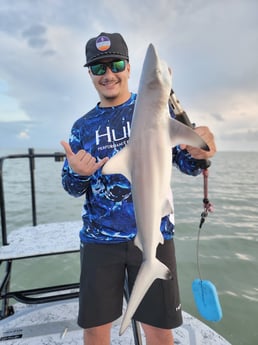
x=106 y=45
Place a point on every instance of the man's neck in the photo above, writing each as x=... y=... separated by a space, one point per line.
x=106 y=102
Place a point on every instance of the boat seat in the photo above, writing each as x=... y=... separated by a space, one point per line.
x=41 y=240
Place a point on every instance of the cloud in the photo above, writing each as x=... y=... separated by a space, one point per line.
x=24 y=134
x=34 y=30
x=210 y=46
x=11 y=134
x=241 y=135
x=35 y=35
x=10 y=110
x=217 y=117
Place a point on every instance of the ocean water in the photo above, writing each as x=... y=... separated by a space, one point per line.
x=228 y=252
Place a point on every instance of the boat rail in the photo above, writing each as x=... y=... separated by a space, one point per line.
x=25 y=295
x=11 y=242
x=31 y=155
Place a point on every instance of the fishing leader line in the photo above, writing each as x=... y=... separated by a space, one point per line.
x=208 y=207
x=204 y=291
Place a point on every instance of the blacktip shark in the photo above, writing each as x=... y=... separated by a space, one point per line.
x=146 y=162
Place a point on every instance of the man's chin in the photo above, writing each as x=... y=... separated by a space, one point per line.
x=110 y=95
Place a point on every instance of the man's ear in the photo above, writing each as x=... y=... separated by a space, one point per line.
x=128 y=66
x=90 y=73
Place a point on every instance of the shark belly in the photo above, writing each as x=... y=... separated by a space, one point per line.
x=150 y=188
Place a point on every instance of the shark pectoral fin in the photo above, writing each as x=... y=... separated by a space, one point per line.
x=167 y=207
x=182 y=134
x=149 y=271
x=161 y=239
x=118 y=164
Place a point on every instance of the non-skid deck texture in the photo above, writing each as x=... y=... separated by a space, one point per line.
x=55 y=323
x=43 y=239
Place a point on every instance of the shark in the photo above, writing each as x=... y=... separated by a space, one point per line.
x=146 y=162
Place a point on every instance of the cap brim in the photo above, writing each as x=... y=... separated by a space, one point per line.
x=106 y=56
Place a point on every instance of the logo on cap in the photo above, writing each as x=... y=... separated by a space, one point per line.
x=103 y=43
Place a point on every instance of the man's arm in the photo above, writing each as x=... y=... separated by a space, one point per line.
x=78 y=169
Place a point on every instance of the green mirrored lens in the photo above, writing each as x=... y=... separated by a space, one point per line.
x=115 y=66
x=98 y=69
x=118 y=66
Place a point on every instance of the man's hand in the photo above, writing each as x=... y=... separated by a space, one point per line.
x=82 y=163
x=208 y=137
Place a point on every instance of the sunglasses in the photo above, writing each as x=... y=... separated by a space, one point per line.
x=101 y=68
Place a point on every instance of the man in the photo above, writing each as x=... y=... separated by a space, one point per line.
x=107 y=249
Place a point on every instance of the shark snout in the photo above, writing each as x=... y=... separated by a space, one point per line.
x=151 y=55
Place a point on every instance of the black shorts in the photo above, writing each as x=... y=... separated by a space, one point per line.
x=102 y=286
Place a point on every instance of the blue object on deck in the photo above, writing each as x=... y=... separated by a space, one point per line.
x=207 y=300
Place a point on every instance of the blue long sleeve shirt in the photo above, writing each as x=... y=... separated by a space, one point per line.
x=108 y=212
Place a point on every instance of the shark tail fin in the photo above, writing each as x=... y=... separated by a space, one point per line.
x=149 y=271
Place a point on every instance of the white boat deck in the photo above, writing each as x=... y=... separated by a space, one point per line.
x=43 y=239
x=55 y=323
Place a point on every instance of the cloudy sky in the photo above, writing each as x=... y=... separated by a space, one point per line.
x=211 y=46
